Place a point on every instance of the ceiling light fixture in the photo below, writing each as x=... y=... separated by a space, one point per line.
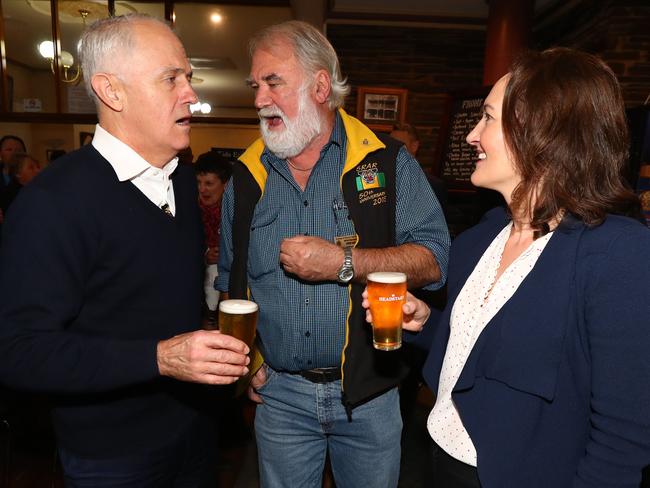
x=216 y=18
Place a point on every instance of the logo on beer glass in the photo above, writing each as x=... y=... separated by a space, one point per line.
x=238 y=318
x=386 y=294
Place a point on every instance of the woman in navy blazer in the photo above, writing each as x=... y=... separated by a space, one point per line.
x=553 y=386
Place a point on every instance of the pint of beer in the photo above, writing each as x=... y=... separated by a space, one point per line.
x=386 y=294
x=238 y=318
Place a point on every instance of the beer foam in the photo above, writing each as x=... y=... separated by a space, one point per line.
x=387 y=277
x=238 y=306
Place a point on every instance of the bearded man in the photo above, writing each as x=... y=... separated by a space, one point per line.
x=316 y=204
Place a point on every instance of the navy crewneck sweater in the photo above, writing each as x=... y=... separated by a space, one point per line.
x=92 y=276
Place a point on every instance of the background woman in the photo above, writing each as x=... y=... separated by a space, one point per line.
x=541 y=359
x=212 y=174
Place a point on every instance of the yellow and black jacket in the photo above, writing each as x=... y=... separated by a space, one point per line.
x=366 y=372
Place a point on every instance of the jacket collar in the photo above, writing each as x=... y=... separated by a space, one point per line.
x=361 y=141
x=530 y=328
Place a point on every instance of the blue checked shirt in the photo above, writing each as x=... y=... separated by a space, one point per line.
x=302 y=325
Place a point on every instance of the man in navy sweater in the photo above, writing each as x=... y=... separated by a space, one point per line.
x=101 y=277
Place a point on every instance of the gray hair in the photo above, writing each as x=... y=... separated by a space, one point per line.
x=313 y=50
x=100 y=42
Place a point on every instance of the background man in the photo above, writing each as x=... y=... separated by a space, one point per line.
x=409 y=135
x=100 y=277
x=319 y=178
x=8 y=146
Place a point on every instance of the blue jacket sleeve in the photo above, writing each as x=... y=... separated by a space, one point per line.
x=617 y=318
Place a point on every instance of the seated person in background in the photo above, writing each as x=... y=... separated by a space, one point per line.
x=212 y=173
x=540 y=359
x=8 y=146
x=408 y=134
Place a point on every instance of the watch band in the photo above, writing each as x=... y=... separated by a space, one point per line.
x=346 y=272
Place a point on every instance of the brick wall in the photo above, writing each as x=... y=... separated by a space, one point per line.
x=431 y=62
x=618 y=31
x=427 y=62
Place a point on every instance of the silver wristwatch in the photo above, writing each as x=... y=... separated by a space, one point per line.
x=346 y=273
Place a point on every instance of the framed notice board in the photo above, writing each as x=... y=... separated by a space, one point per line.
x=230 y=153
x=456 y=157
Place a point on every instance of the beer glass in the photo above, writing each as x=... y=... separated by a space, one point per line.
x=238 y=318
x=386 y=294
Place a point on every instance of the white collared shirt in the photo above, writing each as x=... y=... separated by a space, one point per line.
x=477 y=303
x=129 y=165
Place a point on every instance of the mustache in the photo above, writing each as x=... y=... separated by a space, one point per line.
x=271 y=112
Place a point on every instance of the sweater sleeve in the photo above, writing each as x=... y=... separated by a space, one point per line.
x=45 y=261
x=617 y=313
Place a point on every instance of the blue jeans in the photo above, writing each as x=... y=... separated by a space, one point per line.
x=187 y=462
x=300 y=421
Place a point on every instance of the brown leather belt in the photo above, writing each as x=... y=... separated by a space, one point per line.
x=321 y=375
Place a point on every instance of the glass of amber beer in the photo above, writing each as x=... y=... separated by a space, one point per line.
x=386 y=294
x=238 y=318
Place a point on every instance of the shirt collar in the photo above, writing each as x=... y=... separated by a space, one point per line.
x=126 y=163
x=338 y=133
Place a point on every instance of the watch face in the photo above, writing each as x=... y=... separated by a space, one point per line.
x=346 y=274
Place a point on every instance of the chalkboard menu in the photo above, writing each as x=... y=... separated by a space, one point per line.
x=457 y=157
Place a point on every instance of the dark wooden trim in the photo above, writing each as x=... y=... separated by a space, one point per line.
x=169 y=13
x=25 y=65
x=226 y=120
x=4 y=79
x=260 y=3
x=427 y=19
x=56 y=39
x=48 y=118
x=52 y=118
x=330 y=8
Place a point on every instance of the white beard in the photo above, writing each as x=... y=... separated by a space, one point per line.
x=297 y=133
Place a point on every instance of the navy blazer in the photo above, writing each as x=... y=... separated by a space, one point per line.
x=556 y=391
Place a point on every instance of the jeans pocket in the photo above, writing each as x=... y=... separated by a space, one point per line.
x=270 y=376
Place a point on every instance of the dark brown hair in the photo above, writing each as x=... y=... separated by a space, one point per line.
x=564 y=124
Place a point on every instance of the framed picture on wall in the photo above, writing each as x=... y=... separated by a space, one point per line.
x=381 y=108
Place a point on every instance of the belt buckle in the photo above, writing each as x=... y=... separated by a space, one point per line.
x=321 y=375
